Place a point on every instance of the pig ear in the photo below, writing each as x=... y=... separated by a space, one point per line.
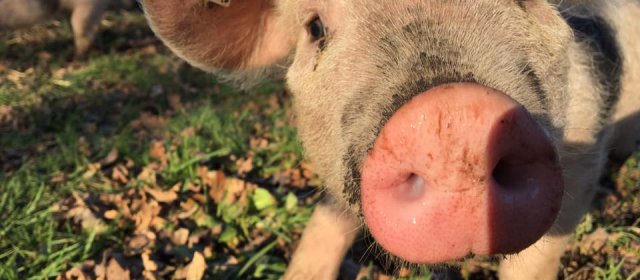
x=246 y=34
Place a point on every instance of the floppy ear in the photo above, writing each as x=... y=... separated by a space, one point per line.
x=246 y=34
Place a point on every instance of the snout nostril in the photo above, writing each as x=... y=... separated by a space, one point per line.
x=508 y=174
x=412 y=188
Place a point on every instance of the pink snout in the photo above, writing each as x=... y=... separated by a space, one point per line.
x=460 y=169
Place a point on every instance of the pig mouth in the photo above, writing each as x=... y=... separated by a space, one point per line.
x=459 y=170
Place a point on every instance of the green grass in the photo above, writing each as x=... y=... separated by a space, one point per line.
x=133 y=108
x=67 y=116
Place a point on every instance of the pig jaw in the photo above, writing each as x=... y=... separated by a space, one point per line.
x=460 y=169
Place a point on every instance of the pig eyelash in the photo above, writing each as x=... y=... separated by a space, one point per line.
x=316 y=29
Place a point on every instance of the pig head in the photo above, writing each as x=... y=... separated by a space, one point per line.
x=439 y=124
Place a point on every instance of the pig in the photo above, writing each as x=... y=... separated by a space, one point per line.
x=447 y=129
x=85 y=15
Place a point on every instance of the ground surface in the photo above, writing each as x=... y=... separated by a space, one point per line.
x=132 y=163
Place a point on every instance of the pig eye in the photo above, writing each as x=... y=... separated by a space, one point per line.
x=316 y=29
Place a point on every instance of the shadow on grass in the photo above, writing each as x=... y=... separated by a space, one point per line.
x=128 y=74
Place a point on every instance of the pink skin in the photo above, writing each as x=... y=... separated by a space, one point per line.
x=460 y=169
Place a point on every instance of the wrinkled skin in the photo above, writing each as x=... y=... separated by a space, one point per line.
x=375 y=57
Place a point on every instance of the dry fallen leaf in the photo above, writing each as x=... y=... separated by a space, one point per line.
x=100 y=270
x=146 y=214
x=188 y=132
x=75 y=273
x=258 y=142
x=149 y=49
x=81 y=214
x=137 y=243
x=208 y=251
x=83 y=147
x=120 y=173
x=216 y=230
x=180 y=273
x=404 y=272
x=193 y=187
x=201 y=198
x=15 y=76
x=92 y=168
x=44 y=56
x=189 y=207
x=6 y=114
x=244 y=165
x=180 y=236
x=237 y=191
x=116 y=272
x=158 y=223
x=148 y=175
x=215 y=180
x=148 y=275
x=594 y=241
x=167 y=196
x=232 y=260
x=195 y=238
x=174 y=102
x=110 y=214
x=149 y=121
x=110 y=158
x=148 y=264
x=223 y=189
x=157 y=151
x=195 y=269
x=58 y=178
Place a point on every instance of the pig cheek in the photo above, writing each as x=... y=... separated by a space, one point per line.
x=543 y=12
x=315 y=111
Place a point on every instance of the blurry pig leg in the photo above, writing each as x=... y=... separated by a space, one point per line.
x=85 y=16
x=23 y=13
x=540 y=261
x=324 y=243
x=583 y=167
x=626 y=120
x=627 y=137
